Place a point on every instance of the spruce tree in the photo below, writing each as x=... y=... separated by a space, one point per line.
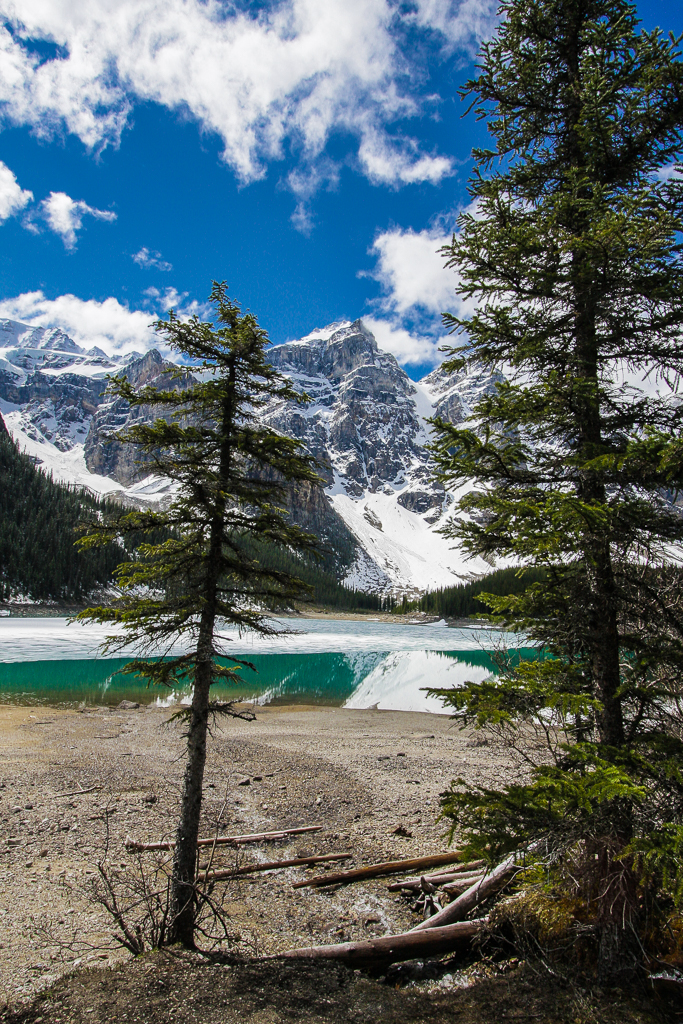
x=571 y=256
x=230 y=471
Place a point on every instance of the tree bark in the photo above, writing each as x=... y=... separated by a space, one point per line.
x=252 y=837
x=183 y=902
x=393 y=948
x=476 y=894
x=439 y=881
x=391 y=867
x=220 y=874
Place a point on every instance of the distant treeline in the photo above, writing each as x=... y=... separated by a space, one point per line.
x=38 y=559
x=461 y=601
x=38 y=521
x=320 y=575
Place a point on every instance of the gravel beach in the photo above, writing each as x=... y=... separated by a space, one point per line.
x=370 y=778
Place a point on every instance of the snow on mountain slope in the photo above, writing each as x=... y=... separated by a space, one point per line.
x=365 y=423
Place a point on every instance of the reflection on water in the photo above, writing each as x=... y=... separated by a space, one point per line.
x=355 y=664
x=389 y=680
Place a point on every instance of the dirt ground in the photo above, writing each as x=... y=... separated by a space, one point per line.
x=371 y=779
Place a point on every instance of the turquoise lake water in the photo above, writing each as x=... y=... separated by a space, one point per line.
x=335 y=662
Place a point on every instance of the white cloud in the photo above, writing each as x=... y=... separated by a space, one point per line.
x=457 y=21
x=287 y=74
x=107 y=324
x=148 y=259
x=410 y=269
x=409 y=347
x=64 y=215
x=13 y=198
x=416 y=290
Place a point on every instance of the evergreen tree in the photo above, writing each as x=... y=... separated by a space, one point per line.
x=230 y=470
x=572 y=255
x=38 y=523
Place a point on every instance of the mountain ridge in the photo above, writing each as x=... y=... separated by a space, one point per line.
x=366 y=423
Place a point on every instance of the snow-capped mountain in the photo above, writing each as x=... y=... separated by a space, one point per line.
x=365 y=423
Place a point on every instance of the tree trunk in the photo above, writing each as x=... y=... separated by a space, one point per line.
x=183 y=904
x=393 y=948
x=183 y=909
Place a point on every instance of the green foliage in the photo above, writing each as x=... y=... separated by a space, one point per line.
x=319 y=577
x=38 y=523
x=571 y=254
x=466 y=599
x=230 y=472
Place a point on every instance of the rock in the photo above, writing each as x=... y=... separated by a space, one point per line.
x=420 y=501
x=403 y=831
x=127 y=705
x=374 y=521
x=244 y=782
x=364 y=425
x=121 y=462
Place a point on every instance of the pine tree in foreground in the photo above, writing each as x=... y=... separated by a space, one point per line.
x=572 y=255
x=229 y=470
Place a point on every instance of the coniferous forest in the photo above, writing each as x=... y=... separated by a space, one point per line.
x=38 y=522
x=464 y=600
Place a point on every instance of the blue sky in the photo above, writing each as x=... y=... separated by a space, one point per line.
x=309 y=152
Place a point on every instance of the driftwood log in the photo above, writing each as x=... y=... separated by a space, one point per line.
x=255 y=837
x=219 y=874
x=479 y=891
x=393 y=948
x=391 y=867
x=440 y=876
x=447 y=882
x=456 y=887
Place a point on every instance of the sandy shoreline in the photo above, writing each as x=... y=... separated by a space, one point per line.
x=359 y=774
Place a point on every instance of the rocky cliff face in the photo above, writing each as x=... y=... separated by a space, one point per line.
x=52 y=383
x=363 y=422
x=366 y=424
x=111 y=458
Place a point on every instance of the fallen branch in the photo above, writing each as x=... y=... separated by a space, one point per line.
x=439 y=877
x=220 y=874
x=80 y=792
x=456 y=887
x=477 y=893
x=256 y=837
x=391 y=867
x=393 y=948
x=463 y=881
